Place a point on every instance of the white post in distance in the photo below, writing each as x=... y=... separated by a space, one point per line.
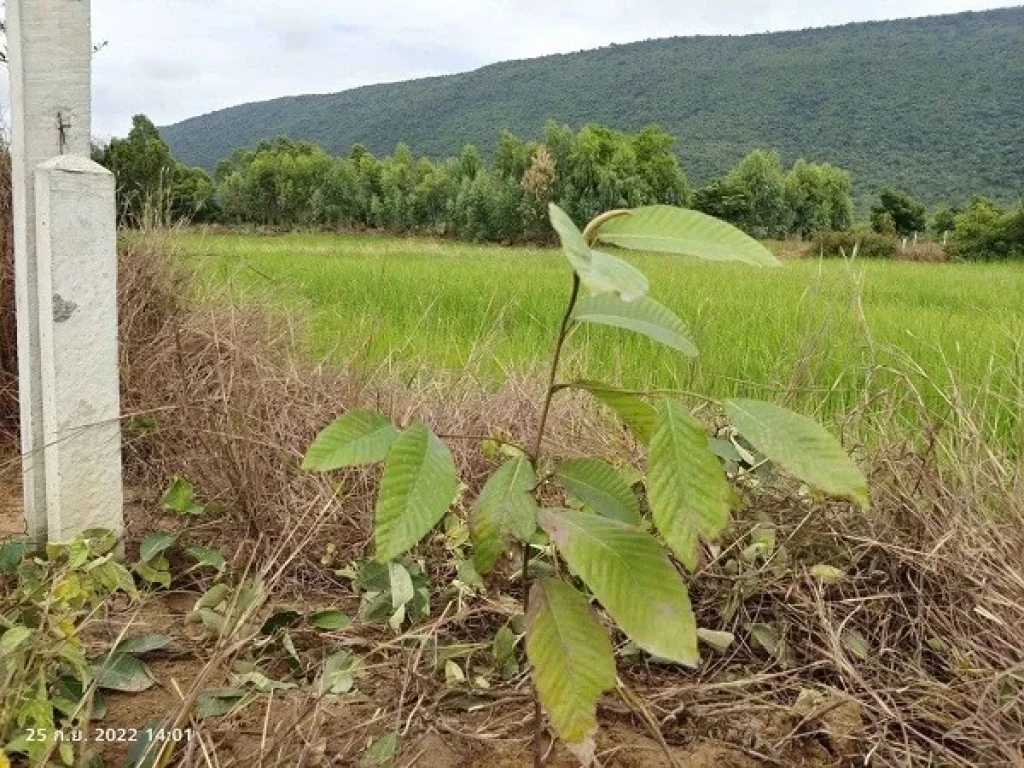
x=65 y=266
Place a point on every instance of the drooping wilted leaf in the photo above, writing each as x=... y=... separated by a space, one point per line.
x=631 y=575
x=600 y=486
x=504 y=508
x=689 y=494
x=598 y=272
x=355 y=438
x=855 y=643
x=418 y=486
x=637 y=414
x=644 y=316
x=800 y=446
x=667 y=229
x=572 y=659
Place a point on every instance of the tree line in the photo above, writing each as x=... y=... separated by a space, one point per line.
x=284 y=184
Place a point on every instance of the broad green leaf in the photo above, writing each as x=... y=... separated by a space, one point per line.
x=220 y=701
x=504 y=646
x=827 y=574
x=800 y=446
x=689 y=494
x=180 y=497
x=13 y=551
x=338 y=676
x=147 y=749
x=206 y=557
x=598 y=272
x=155 y=544
x=14 y=637
x=402 y=589
x=637 y=414
x=142 y=643
x=720 y=641
x=505 y=508
x=262 y=683
x=381 y=753
x=644 y=316
x=357 y=437
x=155 y=571
x=600 y=486
x=610 y=274
x=572 y=659
x=630 y=574
x=122 y=672
x=329 y=621
x=768 y=637
x=418 y=486
x=666 y=229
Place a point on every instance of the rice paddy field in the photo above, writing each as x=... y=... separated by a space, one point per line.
x=896 y=343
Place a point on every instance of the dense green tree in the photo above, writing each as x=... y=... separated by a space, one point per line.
x=819 y=197
x=152 y=187
x=723 y=199
x=759 y=176
x=985 y=230
x=899 y=210
x=512 y=156
x=944 y=220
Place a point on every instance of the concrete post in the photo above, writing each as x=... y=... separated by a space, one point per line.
x=50 y=55
x=77 y=254
x=62 y=396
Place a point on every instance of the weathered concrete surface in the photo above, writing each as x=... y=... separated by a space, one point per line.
x=50 y=53
x=76 y=243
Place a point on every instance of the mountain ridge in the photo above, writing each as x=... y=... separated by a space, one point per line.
x=933 y=104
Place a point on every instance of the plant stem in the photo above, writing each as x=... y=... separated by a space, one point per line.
x=538 y=441
x=563 y=332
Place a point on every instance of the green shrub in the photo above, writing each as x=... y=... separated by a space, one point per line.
x=869 y=244
x=986 y=231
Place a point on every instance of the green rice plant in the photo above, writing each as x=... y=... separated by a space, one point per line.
x=598 y=548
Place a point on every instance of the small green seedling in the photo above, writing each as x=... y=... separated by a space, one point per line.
x=619 y=559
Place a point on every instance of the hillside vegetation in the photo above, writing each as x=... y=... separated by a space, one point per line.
x=929 y=105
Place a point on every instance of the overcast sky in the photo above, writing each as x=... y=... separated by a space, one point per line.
x=173 y=59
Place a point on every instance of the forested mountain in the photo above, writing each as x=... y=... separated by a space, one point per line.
x=934 y=105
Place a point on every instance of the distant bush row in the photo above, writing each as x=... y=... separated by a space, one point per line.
x=285 y=183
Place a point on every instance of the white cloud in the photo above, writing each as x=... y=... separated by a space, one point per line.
x=172 y=59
